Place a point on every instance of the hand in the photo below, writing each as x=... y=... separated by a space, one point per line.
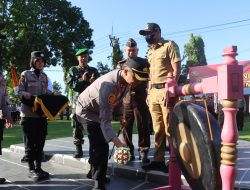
x=122 y=122
x=27 y=95
x=118 y=142
x=9 y=123
x=84 y=76
x=92 y=78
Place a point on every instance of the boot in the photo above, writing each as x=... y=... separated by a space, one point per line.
x=78 y=153
x=24 y=159
x=132 y=156
x=99 y=186
x=144 y=157
x=42 y=174
x=2 y=180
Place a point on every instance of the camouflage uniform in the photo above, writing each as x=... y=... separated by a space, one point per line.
x=77 y=85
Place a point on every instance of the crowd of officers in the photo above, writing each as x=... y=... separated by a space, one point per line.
x=134 y=92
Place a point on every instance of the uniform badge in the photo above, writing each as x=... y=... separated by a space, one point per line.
x=112 y=99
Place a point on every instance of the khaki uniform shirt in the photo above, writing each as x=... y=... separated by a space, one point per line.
x=97 y=102
x=160 y=59
x=29 y=82
x=4 y=110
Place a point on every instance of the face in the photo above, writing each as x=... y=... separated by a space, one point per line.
x=39 y=64
x=131 y=51
x=83 y=60
x=153 y=37
x=130 y=78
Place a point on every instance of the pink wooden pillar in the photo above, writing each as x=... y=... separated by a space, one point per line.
x=230 y=88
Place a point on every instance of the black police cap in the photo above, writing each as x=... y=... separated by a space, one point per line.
x=139 y=66
x=131 y=43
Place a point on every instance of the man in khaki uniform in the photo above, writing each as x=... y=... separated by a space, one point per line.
x=165 y=61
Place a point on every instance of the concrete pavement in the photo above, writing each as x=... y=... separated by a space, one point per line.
x=70 y=173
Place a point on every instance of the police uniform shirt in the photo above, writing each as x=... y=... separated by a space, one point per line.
x=4 y=110
x=160 y=59
x=29 y=82
x=97 y=102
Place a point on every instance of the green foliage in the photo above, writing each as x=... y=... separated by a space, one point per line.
x=195 y=53
x=57 y=88
x=102 y=69
x=55 y=27
x=117 y=54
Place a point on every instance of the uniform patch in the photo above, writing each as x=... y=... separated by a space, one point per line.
x=112 y=99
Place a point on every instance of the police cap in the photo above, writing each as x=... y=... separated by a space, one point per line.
x=131 y=43
x=150 y=27
x=35 y=55
x=82 y=51
x=139 y=66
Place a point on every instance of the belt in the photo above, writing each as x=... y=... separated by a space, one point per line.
x=158 y=85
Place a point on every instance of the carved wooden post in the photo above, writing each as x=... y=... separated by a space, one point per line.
x=230 y=88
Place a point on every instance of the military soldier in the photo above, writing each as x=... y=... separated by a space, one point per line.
x=94 y=110
x=165 y=61
x=34 y=82
x=5 y=114
x=78 y=79
x=136 y=109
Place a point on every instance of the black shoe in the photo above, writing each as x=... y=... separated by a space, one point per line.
x=42 y=173
x=2 y=180
x=144 y=158
x=24 y=159
x=33 y=175
x=132 y=156
x=89 y=176
x=159 y=166
x=99 y=186
x=78 y=155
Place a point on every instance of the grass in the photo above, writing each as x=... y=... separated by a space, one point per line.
x=62 y=128
x=56 y=129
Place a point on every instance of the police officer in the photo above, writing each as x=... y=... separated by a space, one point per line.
x=5 y=114
x=165 y=61
x=78 y=79
x=94 y=110
x=136 y=109
x=34 y=82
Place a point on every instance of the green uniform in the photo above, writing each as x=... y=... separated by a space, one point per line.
x=77 y=85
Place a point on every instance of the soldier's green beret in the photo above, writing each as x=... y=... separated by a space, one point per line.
x=82 y=51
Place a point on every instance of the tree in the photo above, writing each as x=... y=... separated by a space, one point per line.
x=195 y=54
x=103 y=69
x=54 y=27
x=116 y=53
x=57 y=88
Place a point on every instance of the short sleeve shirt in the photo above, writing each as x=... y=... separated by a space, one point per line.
x=160 y=59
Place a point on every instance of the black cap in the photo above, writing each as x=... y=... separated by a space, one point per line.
x=37 y=55
x=139 y=66
x=150 y=27
x=131 y=43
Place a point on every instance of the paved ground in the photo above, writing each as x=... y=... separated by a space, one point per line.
x=70 y=174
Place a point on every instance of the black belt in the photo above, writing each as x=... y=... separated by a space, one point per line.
x=158 y=85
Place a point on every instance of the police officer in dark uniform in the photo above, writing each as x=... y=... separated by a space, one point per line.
x=34 y=82
x=5 y=114
x=95 y=107
x=78 y=79
x=136 y=109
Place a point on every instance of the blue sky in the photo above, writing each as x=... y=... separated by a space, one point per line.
x=128 y=17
